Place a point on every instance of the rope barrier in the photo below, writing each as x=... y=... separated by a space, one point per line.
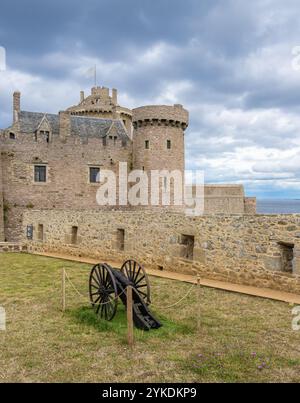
x=178 y=302
x=124 y=291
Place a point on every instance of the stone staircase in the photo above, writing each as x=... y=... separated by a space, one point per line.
x=12 y=247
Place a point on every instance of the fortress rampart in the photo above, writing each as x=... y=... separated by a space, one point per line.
x=2 y=237
x=262 y=251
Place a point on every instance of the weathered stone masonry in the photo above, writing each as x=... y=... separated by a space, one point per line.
x=254 y=250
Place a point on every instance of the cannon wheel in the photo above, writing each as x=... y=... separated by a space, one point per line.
x=138 y=276
x=103 y=291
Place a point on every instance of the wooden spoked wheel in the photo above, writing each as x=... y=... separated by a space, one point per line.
x=137 y=275
x=103 y=291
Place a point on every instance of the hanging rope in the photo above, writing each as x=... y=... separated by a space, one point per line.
x=124 y=291
x=178 y=302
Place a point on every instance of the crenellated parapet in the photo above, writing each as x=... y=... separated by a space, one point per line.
x=161 y=115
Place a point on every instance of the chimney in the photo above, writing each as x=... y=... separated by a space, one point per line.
x=114 y=96
x=16 y=105
x=64 y=124
x=81 y=96
x=116 y=113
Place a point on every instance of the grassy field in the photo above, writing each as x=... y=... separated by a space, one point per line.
x=240 y=338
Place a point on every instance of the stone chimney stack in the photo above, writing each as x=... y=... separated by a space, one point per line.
x=81 y=96
x=16 y=105
x=115 y=96
x=64 y=124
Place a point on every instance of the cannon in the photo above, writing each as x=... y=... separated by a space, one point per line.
x=107 y=285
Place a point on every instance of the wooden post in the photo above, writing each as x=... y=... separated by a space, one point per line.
x=63 y=289
x=199 y=300
x=129 y=316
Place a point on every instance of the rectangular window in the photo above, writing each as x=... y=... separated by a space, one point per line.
x=121 y=239
x=188 y=251
x=94 y=175
x=74 y=235
x=40 y=173
x=147 y=144
x=169 y=144
x=41 y=232
x=287 y=257
x=29 y=231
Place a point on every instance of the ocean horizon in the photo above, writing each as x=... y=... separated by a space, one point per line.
x=278 y=206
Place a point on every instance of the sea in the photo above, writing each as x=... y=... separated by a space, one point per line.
x=278 y=206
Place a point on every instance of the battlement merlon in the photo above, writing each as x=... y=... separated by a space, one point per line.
x=161 y=114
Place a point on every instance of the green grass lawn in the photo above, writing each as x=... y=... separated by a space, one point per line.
x=240 y=338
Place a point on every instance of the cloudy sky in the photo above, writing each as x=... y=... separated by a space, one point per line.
x=234 y=64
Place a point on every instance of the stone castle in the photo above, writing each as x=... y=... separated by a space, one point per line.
x=49 y=165
x=51 y=161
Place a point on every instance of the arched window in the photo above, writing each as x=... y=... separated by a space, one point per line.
x=12 y=136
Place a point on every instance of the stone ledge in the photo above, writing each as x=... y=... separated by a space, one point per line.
x=12 y=247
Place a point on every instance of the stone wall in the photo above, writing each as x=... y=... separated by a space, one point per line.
x=262 y=251
x=67 y=159
x=1 y=203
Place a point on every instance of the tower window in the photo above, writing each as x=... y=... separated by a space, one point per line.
x=12 y=136
x=94 y=175
x=40 y=173
x=147 y=144
x=169 y=144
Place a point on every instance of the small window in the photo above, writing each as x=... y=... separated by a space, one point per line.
x=40 y=173
x=124 y=121
x=121 y=239
x=47 y=136
x=41 y=232
x=169 y=144
x=147 y=144
x=287 y=257
x=188 y=251
x=94 y=175
x=29 y=232
x=74 y=235
x=12 y=136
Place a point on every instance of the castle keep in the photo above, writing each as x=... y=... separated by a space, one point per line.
x=49 y=171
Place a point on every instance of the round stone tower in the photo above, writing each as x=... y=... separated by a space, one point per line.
x=158 y=138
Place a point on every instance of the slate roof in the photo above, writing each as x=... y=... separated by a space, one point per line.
x=81 y=126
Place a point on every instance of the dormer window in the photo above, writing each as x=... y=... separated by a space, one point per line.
x=12 y=136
